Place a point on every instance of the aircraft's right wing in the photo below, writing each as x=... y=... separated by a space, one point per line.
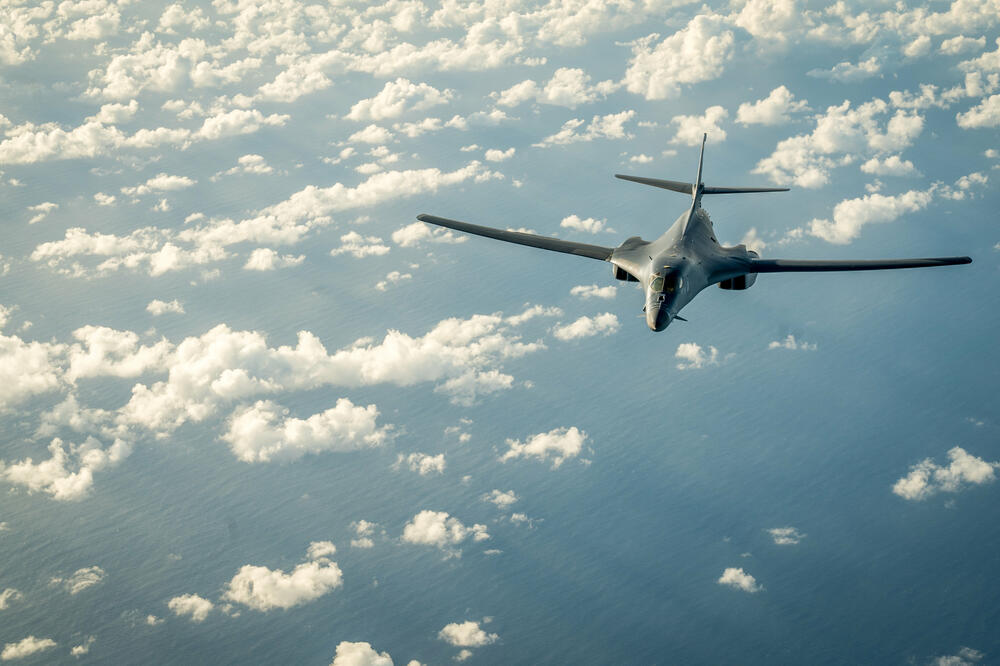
x=531 y=240
x=809 y=266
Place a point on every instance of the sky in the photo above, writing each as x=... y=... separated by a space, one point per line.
x=253 y=411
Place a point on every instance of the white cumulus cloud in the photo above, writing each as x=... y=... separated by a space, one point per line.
x=264 y=432
x=692 y=356
x=359 y=654
x=195 y=607
x=585 y=327
x=26 y=647
x=560 y=444
x=437 y=528
x=927 y=478
x=738 y=579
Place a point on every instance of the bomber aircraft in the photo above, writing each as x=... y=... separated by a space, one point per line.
x=675 y=267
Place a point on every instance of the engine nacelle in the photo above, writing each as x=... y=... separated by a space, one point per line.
x=743 y=281
x=622 y=274
x=739 y=283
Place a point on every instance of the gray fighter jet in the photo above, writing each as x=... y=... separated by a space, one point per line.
x=675 y=267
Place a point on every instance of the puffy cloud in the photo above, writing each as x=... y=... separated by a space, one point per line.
x=466 y=388
x=266 y=259
x=890 y=166
x=786 y=536
x=396 y=98
x=359 y=246
x=178 y=16
x=850 y=215
x=984 y=114
x=365 y=530
x=152 y=65
x=69 y=473
x=223 y=365
x=161 y=182
x=422 y=463
x=27 y=369
x=739 y=580
x=497 y=155
x=585 y=327
x=791 y=343
x=41 y=211
x=561 y=444
x=26 y=647
x=589 y=225
x=265 y=589
x=392 y=277
x=418 y=232
x=698 y=52
x=372 y=134
x=690 y=129
x=9 y=596
x=610 y=126
x=29 y=143
x=318 y=549
x=437 y=528
x=108 y=352
x=589 y=291
x=962 y=44
x=251 y=163
x=263 y=432
x=842 y=134
x=157 y=307
x=848 y=72
x=927 y=478
x=79 y=580
x=775 y=109
x=359 y=654
x=466 y=634
x=302 y=76
x=692 y=356
x=191 y=605
x=569 y=87
x=500 y=498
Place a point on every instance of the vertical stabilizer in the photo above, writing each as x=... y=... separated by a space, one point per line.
x=699 y=186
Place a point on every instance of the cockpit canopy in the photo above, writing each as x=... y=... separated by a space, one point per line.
x=667 y=281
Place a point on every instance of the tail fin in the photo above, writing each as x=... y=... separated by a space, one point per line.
x=697 y=188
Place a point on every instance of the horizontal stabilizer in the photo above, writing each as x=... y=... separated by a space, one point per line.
x=741 y=190
x=809 y=266
x=675 y=185
x=685 y=188
x=521 y=238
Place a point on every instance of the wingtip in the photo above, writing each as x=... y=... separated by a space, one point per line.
x=423 y=217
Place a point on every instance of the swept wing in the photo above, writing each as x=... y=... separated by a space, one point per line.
x=810 y=266
x=531 y=240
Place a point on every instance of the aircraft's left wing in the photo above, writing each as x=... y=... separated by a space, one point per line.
x=531 y=240
x=809 y=266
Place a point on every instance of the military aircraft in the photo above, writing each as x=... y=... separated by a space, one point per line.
x=675 y=267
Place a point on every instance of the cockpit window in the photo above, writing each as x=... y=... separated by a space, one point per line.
x=668 y=283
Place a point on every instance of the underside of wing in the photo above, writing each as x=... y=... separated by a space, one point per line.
x=531 y=240
x=810 y=266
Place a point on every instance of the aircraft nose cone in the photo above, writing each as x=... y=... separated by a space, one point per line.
x=657 y=318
